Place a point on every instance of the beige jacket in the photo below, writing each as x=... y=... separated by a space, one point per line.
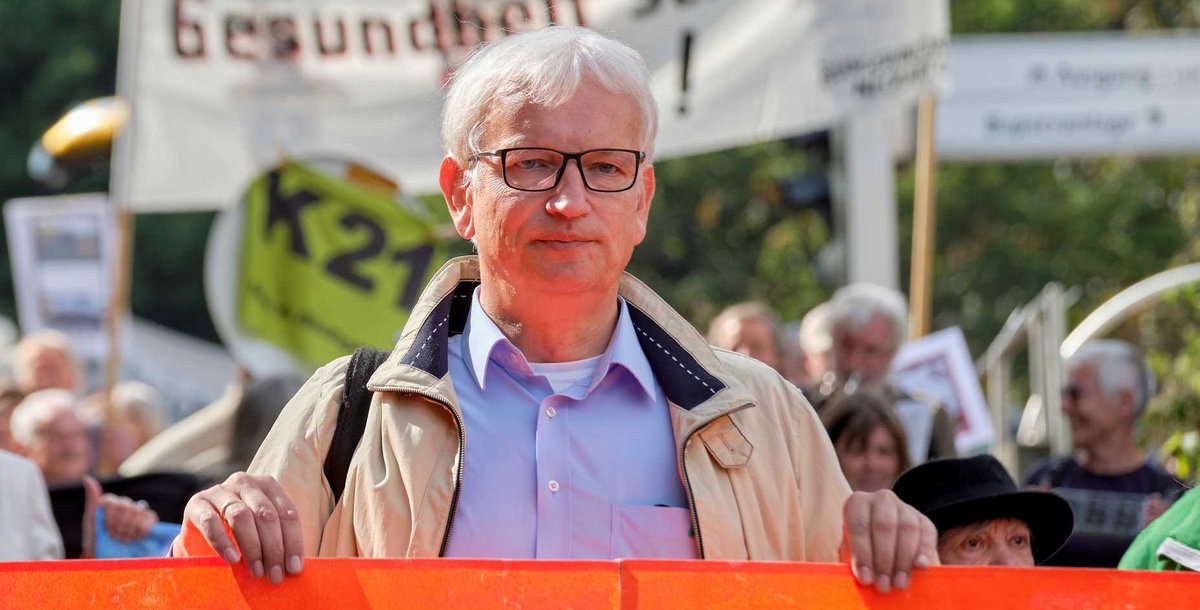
x=761 y=476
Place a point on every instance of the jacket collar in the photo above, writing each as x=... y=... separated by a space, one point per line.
x=684 y=364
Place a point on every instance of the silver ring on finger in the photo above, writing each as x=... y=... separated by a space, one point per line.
x=226 y=505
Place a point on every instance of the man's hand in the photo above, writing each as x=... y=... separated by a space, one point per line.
x=124 y=519
x=887 y=539
x=264 y=522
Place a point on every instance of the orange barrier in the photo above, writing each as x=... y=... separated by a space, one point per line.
x=478 y=584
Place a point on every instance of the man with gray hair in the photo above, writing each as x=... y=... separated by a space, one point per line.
x=1113 y=486
x=601 y=424
x=48 y=432
x=749 y=328
x=47 y=429
x=868 y=323
x=44 y=360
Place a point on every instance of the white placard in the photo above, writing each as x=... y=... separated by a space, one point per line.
x=1039 y=96
x=221 y=89
x=939 y=366
x=62 y=254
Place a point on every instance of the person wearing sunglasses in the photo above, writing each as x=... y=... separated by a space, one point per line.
x=1114 y=488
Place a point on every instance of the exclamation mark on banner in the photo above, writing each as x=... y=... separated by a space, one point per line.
x=683 y=83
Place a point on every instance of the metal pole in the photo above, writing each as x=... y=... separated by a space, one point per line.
x=997 y=393
x=924 y=222
x=1054 y=313
x=866 y=191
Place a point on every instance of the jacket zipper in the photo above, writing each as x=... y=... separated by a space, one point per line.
x=462 y=452
x=687 y=484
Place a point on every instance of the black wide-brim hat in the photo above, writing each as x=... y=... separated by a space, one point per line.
x=956 y=492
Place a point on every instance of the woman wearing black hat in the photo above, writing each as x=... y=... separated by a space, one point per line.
x=981 y=516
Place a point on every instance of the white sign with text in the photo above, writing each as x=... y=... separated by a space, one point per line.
x=1038 y=96
x=221 y=89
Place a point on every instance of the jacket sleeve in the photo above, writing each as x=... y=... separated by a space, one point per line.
x=294 y=450
x=823 y=487
x=44 y=540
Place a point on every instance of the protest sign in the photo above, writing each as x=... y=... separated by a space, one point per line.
x=62 y=254
x=938 y=366
x=221 y=89
x=355 y=584
x=322 y=265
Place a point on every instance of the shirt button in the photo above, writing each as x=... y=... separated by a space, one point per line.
x=550 y=412
x=553 y=485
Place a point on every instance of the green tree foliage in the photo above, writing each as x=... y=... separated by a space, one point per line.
x=723 y=231
x=53 y=55
x=1005 y=230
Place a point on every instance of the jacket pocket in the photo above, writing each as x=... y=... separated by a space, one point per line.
x=651 y=532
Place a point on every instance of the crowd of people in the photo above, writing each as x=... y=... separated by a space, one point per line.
x=844 y=352
x=69 y=446
x=601 y=423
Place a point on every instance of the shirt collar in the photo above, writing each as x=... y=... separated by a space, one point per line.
x=486 y=344
x=625 y=350
x=483 y=337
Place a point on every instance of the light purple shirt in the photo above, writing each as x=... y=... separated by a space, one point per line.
x=591 y=473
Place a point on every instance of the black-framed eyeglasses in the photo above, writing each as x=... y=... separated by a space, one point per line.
x=604 y=170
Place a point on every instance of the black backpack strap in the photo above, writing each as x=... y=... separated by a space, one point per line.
x=352 y=416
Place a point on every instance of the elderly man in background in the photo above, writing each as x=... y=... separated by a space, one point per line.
x=44 y=360
x=981 y=516
x=600 y=423
x=867 y=325
x=750 y=328
x=47 y=431
x=1114 y=487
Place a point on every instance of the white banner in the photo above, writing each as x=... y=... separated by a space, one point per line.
x=1037 y=96
x=221 y=89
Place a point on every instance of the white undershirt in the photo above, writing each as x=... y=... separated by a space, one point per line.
x=563 y=376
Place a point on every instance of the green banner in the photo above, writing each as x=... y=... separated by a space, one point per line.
x=328 y=265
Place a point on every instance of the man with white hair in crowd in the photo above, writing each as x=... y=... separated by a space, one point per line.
x=47 y=430
x=50 y=434
x=1115 y=489
x=867 y=325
